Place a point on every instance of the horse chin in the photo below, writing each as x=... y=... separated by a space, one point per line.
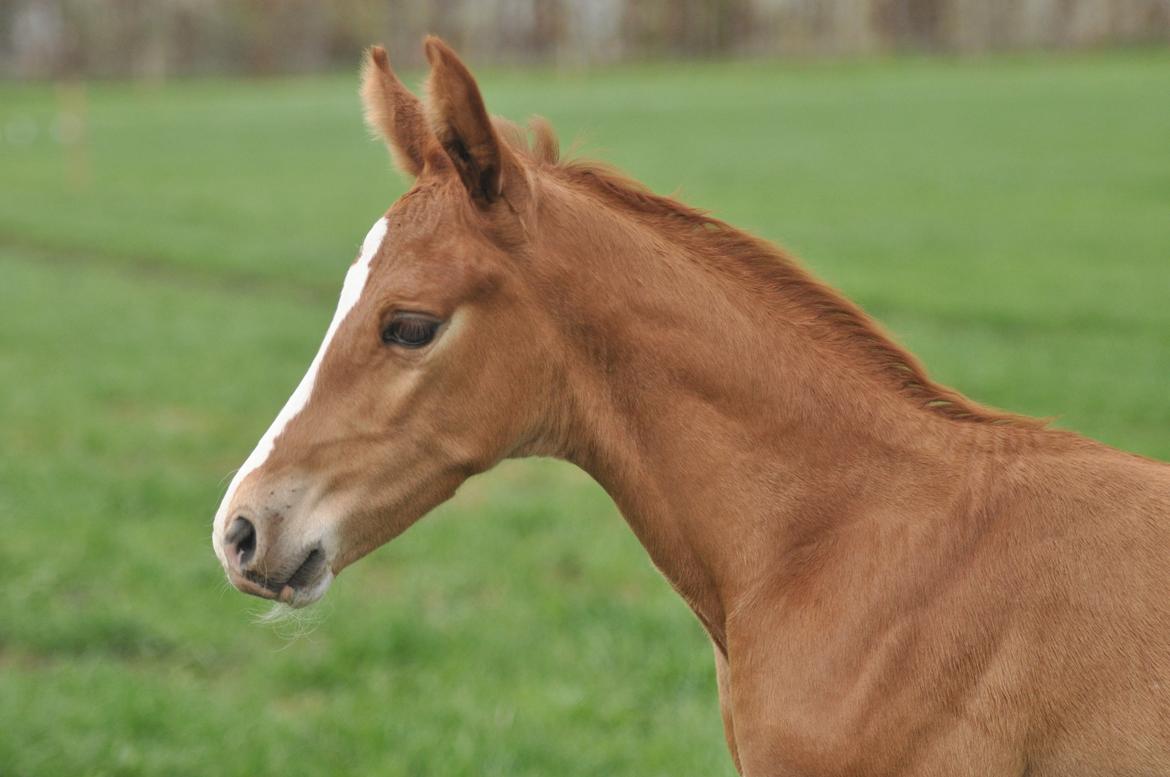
x=309 y=593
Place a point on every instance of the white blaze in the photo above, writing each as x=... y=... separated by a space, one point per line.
x=351 y=292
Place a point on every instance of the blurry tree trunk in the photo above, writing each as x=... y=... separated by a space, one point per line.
x=153 y=38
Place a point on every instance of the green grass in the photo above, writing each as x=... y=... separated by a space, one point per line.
x=1008 y=219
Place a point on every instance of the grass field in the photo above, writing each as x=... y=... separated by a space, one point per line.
x=163 y=292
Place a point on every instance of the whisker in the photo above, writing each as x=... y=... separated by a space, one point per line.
x=290 y=624
x=228 y=477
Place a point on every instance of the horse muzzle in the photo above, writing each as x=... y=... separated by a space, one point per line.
x=263 y=556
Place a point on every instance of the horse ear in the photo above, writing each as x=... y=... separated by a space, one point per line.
x=461 y=123
x=396 y=114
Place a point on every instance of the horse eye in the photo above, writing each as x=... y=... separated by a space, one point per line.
x=410 y=330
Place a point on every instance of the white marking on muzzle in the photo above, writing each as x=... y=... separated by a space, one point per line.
x=351 y=292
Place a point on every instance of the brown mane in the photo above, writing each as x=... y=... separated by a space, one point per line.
x=848 y=325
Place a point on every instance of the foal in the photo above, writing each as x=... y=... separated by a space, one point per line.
x=895 y=580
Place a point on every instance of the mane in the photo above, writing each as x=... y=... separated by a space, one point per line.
x=847 y=325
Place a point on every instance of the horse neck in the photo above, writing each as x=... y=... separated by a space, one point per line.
x=728 y=431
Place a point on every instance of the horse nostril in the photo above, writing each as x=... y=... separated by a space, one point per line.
x=241 y=540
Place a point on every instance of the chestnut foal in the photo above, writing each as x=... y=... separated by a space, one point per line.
x=896 y=581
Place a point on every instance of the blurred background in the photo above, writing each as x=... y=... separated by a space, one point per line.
x=184 y=182
x=158 y=38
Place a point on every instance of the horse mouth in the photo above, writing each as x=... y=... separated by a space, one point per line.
x=307 y=583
